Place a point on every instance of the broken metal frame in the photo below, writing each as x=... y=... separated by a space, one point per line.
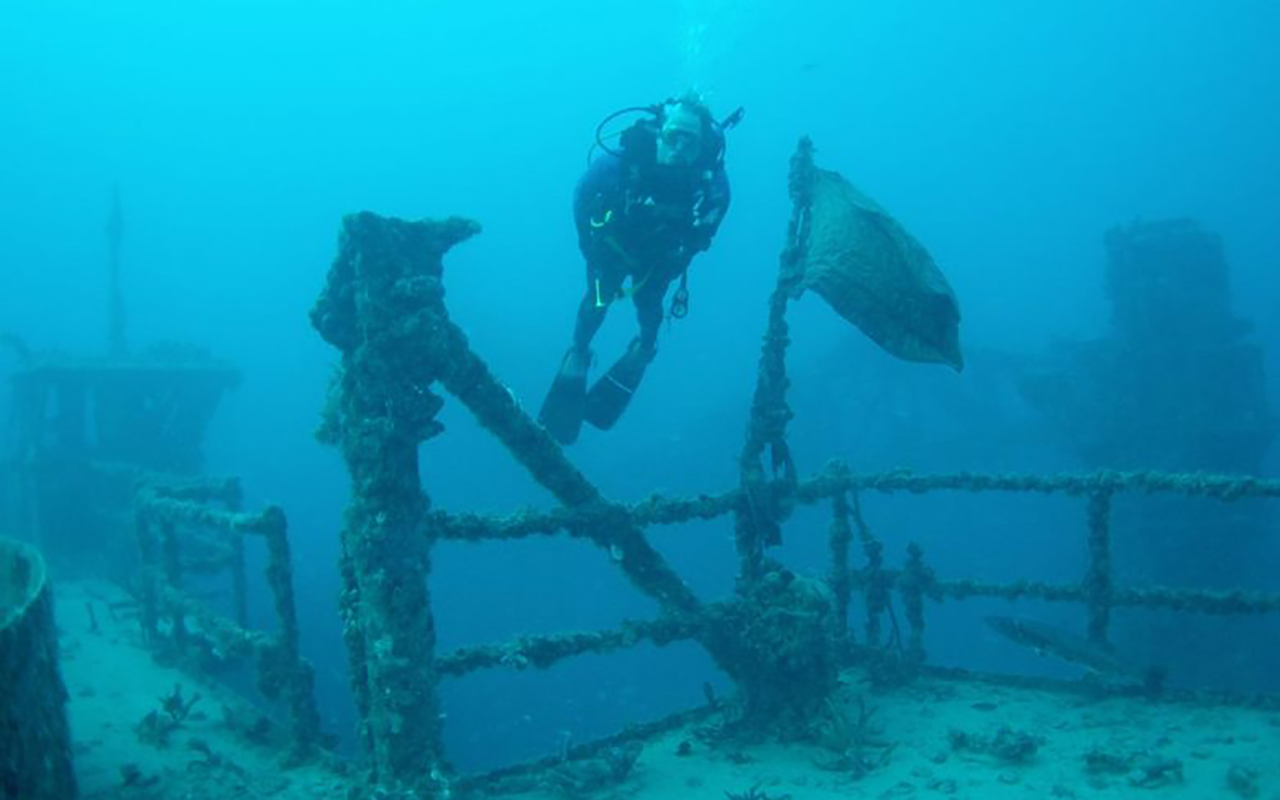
x=383 y=308
x=195 y=526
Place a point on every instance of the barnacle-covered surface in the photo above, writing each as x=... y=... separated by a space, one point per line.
x=35 y=754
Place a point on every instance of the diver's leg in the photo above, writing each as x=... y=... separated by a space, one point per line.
x=563 y=407
x=610 y=395
x=602 y=287
x=649 y=314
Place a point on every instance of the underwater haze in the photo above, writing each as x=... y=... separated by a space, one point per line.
x=1008 y=137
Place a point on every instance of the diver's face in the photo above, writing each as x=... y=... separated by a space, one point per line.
x=680 y=139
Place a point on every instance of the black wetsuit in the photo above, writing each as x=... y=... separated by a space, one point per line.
x=645 y=221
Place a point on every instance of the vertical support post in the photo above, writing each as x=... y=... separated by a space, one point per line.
x=357 y=651
x=239 y=579
x=375 y=308
x=877 y=581
x=1097 y=583
x=916 y=578
x=171 y=562
x=231 y=497
x=841 y=535
x=757 y=523
x=757 y=520
x=149 y=591
x=297 y=679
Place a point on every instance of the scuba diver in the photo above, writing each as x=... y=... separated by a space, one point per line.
x=642 y=211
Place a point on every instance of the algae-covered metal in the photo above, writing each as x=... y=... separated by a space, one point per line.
x=35 y=741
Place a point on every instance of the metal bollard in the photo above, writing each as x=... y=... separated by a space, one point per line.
x=35 y=740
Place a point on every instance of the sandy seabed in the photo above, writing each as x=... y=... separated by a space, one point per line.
x=935 y=738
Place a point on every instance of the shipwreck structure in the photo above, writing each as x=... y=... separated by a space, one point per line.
x=71 y=414
x=120 y=435
x=102 y=473
x=1176 y=383
x=781 y=638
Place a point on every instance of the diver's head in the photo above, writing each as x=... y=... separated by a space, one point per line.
x=682 y=132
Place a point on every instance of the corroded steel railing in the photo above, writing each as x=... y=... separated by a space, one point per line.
x=193 y=526
x=873 y=580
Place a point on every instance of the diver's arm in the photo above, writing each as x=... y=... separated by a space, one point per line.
x=596 y=200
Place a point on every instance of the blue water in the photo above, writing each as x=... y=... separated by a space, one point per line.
x=1006 y=136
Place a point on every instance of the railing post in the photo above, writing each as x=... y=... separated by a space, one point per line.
x=759 y=517
x=877 y=583
x=916 y=578
x=148 y=574
x=239 y=580
x=841 y=535
x=171 y=564
x=297 y=681
x=378 y=307
x=1097 y=582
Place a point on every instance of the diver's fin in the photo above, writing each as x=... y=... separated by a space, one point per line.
x=609 y=396
x=561 y=412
